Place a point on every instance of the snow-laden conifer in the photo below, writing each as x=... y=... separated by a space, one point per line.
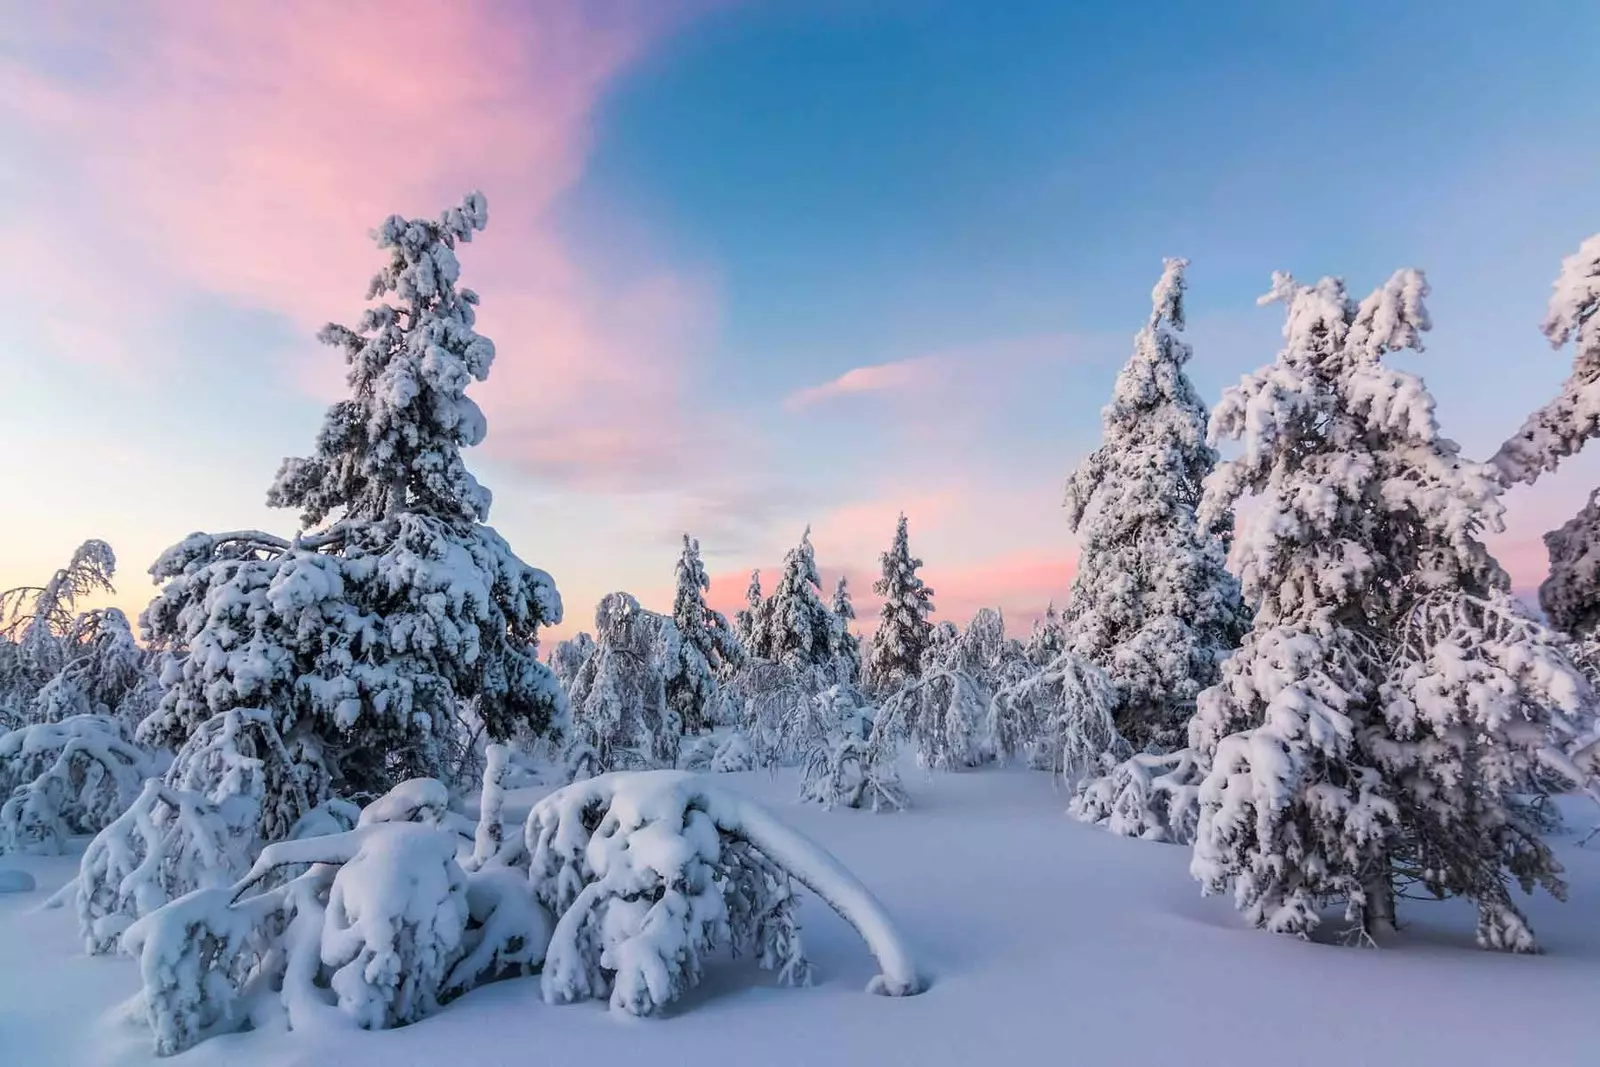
x=845 y=761
x=707 y=646
x=69 y=777
x=1570 y=594
x=846 y=645
x=945 y=709
x=750 y=623
x=1391 y=700
x=367 y=637
x=800 y=628
x=904 y=629
x=1047 y=638
x=1561 y=427
x=1152 y=602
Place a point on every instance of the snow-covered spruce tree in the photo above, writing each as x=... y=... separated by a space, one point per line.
x=1570 y=595
x=1561 y=427
x=1047 y=638
x=800 y=628
x=622 y=716
x=1152 y=603
x=1390 y=699
x=36 y=625
x=367 y=636
x=750 y=622
x=904 y=629
x=846 y=645
x=707 y=647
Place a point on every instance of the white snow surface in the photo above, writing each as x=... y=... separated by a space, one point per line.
x=1037 y=930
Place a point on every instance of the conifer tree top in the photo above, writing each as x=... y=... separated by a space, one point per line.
x=394 y=445
x=1561 y=427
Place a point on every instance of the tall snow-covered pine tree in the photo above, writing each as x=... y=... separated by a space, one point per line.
x=706 y=644
x=367 y=637
x=904 y=630
x=800 y=628
x=1152 y=603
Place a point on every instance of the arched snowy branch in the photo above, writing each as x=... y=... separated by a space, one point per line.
x=649 y=870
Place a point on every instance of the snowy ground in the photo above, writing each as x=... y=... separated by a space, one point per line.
x=1049 y=941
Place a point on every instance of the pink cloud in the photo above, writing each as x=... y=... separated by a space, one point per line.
x=902 y=374
x=973 y=372
x=244 y=150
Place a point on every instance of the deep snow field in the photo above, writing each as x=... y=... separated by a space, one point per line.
x=1048 y=942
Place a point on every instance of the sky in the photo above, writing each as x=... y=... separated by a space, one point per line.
x=752 y=265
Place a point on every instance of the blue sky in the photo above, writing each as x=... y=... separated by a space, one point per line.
x=699 y=214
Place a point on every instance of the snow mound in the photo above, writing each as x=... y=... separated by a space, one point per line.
x=13 y=881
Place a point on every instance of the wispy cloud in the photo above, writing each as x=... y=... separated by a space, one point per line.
x=975 y=372
x=900 y=375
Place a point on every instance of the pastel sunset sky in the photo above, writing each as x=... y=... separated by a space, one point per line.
x=752 y=265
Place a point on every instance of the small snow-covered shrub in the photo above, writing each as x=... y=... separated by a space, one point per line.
x=945 y=710
x=844 y=760
x=764 y=698
x=1061 y=717
x=650 y=871
x=377 y=925
x=64 y=778
x=201 y=826
x=726 y=755
x=170 y=842
x=733 y=755
x=1149 y=795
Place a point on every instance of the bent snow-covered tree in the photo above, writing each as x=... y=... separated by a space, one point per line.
x=650 y=873
x=1570 y=595
x=1152 y=603
x=36 y=626
x=904 y=630
x=1375 y=728
x=622 y=714
x=367 y=637
x=105 y=672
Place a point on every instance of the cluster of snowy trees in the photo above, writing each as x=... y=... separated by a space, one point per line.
x=1391 y=719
